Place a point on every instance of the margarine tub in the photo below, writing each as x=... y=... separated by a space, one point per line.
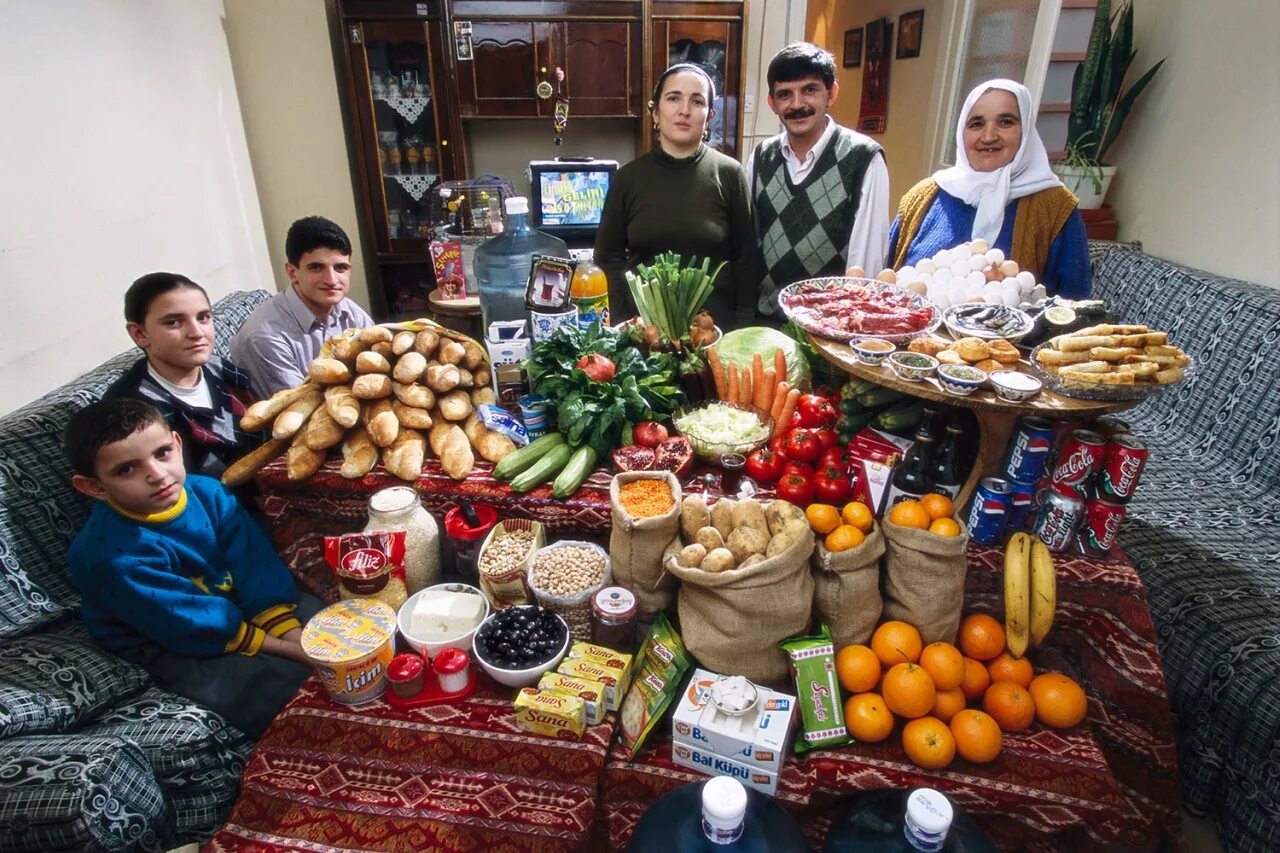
x=350 y=644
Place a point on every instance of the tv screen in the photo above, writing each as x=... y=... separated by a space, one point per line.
x=568 y=198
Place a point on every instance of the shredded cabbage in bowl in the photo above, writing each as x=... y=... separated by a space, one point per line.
x=720 y=425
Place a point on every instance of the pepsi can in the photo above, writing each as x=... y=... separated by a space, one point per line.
x=1029 y=450
x=1019 y=505
x=988 y=509
x=1060 y=516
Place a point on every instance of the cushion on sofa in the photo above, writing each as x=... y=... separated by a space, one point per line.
x=79 y=793
x=51 y=683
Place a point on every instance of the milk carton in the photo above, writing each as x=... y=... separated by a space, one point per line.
x=756 y=739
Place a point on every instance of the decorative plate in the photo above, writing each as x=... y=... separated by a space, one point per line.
x=988 y=321
x=835 y=313
x=1090 y=391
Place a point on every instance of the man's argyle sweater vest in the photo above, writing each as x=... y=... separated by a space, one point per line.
x=803 y=230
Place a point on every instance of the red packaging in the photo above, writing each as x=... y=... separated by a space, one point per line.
x=446 y=258
x=1102 y=521
x=1121 y=468
x=876 y=446
x=871 y=483
x=1078 y=460
x=366 y=562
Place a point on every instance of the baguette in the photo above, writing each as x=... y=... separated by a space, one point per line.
x=409 y=368
x=417 y=396
x=301 y=460
x=411 y=417
x=483 y=396
x=455 y=453
x=425 y=342
x=491 y=446
x=359 y=454
x=347 y=347
x=329 y=371
x=322 y=431
x=376 y=334
x=242 y=470
x=443 y=377
x=472 y=355
x=482 y=375
x=381 y=422
x=404 y=458
x=343 y=406
x=450 y=351
x=288 y=422
x=435 y=436
x=455 y=406
x=372 y=386
x=372 y=362
x=402 y=342
x=263 y=412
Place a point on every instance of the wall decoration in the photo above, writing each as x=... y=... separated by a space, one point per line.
x=877 y=38
x=910 y=30
x=853 y=48
x=873 y=113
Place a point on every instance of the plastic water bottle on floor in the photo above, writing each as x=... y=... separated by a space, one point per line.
x=502 y=264
x=900 y=820
x=717 y=816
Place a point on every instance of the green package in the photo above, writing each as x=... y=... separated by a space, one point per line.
x=655 y=680
x=813 y=662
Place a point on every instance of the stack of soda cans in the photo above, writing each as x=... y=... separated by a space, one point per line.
x=1073 y=482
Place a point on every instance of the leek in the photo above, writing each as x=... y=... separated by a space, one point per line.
x=668 y=295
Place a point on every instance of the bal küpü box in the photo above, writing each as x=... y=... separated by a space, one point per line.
x=756 y=738
x=697 y=758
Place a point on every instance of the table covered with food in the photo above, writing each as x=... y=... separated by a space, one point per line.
x=568 y=586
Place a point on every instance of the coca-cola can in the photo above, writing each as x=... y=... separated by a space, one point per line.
x=1121 y=468
x=1078 y=460
x=1109 y=425
x=1060 y=516
x=1101 y=524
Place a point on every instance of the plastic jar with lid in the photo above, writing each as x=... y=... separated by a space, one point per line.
x=613 y=619
x=466 y=539
x=398 y=508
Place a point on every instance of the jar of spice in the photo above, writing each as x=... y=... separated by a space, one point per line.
x=613 y=619
x=466 y=536
x=398 y=508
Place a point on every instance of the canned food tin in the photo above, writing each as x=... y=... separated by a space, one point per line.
x=1078 y=460
x=1029 y=450
x=1019 y=506
x=1060 y=516
x=1102 y=521
x=351 y=645
x=1121 y=467
x=988 y=509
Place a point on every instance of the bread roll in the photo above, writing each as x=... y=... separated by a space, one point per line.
x=343 y=406
x=482 y=375
x=409 y=367
x=322 y=431
x=263 y=412
x=443 y=377
x=483 y=397
x=359 y=454
x=376 y=334
x=450 y=351
x=1003 y=351
x=417 y=396
x=381 y=422
x=372 y=362
x=472 y=355
x=288 y=422
x=372 y=386
x=454 y=406
x=404 y=458
x=972 y=349
x=329 y=371
x=347 y=347
x=455 y=453
x=410 y=416
x=465 y=378
x=425 y=342
x=383 y=348
x=990 y=365
x=243 y=469
x=402 y=342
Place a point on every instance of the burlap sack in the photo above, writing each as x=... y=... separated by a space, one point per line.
x=733 y=621
x=636 y=546
x=924 y=579
x=847 y=589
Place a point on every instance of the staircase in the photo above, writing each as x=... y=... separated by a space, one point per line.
x=1069 y=44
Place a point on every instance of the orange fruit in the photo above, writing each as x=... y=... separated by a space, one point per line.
x=981 y=637
x=1060 y=702
x=895 y=642
x=868 y=718
x=823 y=518
x=948 y=703
x=1008 y=668
x=976 y=679
x=843 y=538
x=1010 y=704
x=859 y=515
x=978 y=737
x=938 y=506
x=909 y=691
x=944 y=663
x=929 y=743
x=910 y=514
x=944 y=527
x=858 y=668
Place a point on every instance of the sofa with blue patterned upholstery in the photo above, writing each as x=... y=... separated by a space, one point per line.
x=93 y=756
x=1203 y=531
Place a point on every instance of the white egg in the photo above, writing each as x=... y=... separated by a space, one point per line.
x=978 y=247
x=907 y=273
x=1026 y=278
x=1009 y=268
x=1011 y=297
x=918 y=287
x=960 y=267
x=927 y=266
x=975 y=277
x=993 y=287
x=944 y=257
x=994 y=256
x=971 y=291
x=941 y=299
x=977 y=262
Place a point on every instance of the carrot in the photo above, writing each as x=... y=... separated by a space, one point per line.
x=779 y=398
x=717 y=372
x=767 y=390
x=744 y=388
x=780 y=364
x=733 y=382
x=788 y=408
x=757 y=376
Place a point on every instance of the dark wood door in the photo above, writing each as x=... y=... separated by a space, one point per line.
x=712 y=38
x=508 y=60
x=601 y=60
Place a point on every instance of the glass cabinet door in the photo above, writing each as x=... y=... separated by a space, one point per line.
x=715 y=46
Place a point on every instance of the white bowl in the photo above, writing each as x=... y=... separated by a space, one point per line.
x=1015 y=387
x=870 y=355
x=961 y=379
x=433 y=648
x=910 y=372
x=519 y=677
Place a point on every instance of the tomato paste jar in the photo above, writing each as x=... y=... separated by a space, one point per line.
x=613 y=619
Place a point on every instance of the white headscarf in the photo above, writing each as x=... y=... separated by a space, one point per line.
x=991 y=192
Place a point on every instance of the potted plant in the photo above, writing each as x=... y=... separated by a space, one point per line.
x=1100 y=103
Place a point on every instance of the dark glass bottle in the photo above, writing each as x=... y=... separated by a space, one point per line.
x=912 y=477
x=896 y=819
x=931 y=421
x=717 y=817
x=945 y=470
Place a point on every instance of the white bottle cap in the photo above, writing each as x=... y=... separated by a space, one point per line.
x=928 y=821
x=724 y=806
x=517 y=205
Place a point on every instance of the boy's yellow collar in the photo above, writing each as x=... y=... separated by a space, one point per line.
x=156 y=517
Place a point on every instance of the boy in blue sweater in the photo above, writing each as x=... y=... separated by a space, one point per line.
x=174 y=575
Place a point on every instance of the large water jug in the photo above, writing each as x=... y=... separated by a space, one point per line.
x=502 y=264
x=717 y=816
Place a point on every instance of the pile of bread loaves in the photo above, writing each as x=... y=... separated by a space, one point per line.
x=381 y=393
x=992 y=355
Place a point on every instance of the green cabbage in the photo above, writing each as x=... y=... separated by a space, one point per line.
x=740 y=346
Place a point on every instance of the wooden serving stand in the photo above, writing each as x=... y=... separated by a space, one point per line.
x=996 y=418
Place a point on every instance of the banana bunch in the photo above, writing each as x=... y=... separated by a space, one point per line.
x=1030 y=592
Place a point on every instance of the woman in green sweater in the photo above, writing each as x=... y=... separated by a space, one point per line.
x=681 y=197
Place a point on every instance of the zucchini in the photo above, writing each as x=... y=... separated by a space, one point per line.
x=855 y=422
x=518 y=460
x=903 y=416
x=856 y=386
x=575 y=473
x=879 y=397
x=543 y=470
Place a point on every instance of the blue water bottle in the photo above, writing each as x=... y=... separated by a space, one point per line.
x=718 y=815
x=502 y=264
x=895 y=820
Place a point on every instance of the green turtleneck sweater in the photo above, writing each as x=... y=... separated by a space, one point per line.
x=693 y=206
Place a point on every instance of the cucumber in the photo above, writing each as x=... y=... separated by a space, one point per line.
x=903 y=416
x=857 y=386
x=850 y=406
x=575 y=473
x=518 y=460
x=879 y=397
x=543 y=470
x=853 y=423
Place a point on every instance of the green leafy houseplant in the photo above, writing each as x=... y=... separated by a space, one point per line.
x=1099 y=102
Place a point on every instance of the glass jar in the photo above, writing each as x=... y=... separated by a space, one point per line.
x=398 y=508
x=613 y=619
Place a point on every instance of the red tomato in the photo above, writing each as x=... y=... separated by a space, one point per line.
x=795 y=489
x=802 y=446
x=775 y=444
x=831 y=486
x=834 y=457
x=828 y=438
x=764 y=466
x=791 y=466
x=816 y=411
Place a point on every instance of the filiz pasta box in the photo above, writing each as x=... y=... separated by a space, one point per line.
x=731 y=718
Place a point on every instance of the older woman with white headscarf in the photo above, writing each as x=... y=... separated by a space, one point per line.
x=1001 y=190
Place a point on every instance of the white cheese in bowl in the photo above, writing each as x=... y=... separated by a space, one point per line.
x=445 y=615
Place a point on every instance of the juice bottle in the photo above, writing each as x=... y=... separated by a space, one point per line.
x=589 y=291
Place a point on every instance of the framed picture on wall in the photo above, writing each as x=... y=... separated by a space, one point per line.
x=853 y=47
x=910 y=28
x=876 y=46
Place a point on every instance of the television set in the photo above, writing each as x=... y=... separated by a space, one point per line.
x=566 y=197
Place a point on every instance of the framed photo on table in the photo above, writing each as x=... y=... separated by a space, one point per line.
x=910 y=30
x=853 y=48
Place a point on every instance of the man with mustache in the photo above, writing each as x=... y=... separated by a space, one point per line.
x=819 y=191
